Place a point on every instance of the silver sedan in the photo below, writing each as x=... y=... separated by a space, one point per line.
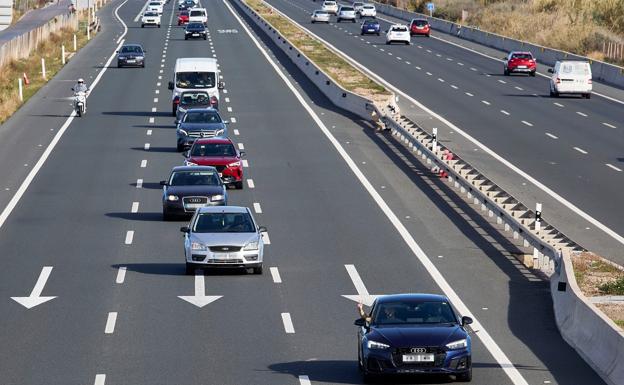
x=320 y=16
x=225 y=236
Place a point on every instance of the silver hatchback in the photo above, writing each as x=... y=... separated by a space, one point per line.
x=225 y=236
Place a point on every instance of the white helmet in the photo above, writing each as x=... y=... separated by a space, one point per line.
x=80 y=80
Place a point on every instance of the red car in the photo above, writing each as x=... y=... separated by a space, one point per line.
x=519 y=62
x=420 y=27
x=183 y=17
x=221 y=154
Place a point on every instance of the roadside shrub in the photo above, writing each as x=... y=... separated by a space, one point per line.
x=613 y=288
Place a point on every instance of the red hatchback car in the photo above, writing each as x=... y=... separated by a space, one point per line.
x=221 y=154
x=519 y=62
x=420 y=27
x=183 y=17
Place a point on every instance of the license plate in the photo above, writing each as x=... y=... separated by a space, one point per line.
x=418 y=358
x=221 y=255
x=194 y=205
x=371 y=30
x=130 y=61
x=195 y=34
x=522 y=66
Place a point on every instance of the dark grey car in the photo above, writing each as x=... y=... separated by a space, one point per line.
x=131 y=55
x=194 y=99
x=200 y=123
x=189 y=188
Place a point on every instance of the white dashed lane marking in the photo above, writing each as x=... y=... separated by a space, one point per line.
x=276 y=275
x=288 y=325
x=250 y=183
x=580 y=150
x=241 y=146
x=121 y=274
x=110 y=323
x=135 y=207
x=558 y=104
x=139 y=183
x=527 y=123
x=485 y=102
x=551 y=135
x=129 y=237
x=613 y=167
x=257 y=208
x=144 y=163
x=609 y=125
x=504 y=112
x=582 y=114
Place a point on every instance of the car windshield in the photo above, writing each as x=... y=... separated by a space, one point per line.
x=194 y=178
x=197 y=13
x=413 y=313
x=195 y=79
x=213 y=149
x=521 y=56
x=194 y=99
x=421 y=23
x=131 y=49
x=224 y=223
x=202 y=117
x=150 y=14
x=358 y=4
x=576 y=68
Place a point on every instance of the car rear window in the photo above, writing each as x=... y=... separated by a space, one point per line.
x=522 y=56
x=369 y=7
x=420 y=23
x=321 y=12
x=224 y=223
x=197 y=13
x=575 y=68
x=194 y=98
x=399 y=29
x=202 y=117
x=213 y=149
x=194 y=178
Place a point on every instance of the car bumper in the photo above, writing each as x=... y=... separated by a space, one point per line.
x=177 y=208
x=452 y=362
x=321 y=19
x=195 y=36
x=130 y=62
x=247 y=259
x=369 y=14
x=419 y=32
x=371 y=31
x=516 y=69
x=565 y=89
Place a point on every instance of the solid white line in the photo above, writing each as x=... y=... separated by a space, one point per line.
x=360 y=288
x=100 y=379
x=504 y=112
x=146 y=147
x=122 y=23
x=265 y=238
x=139 y=183
x=551 y=135
x=613 y=167
x=485 y=102
x=241 y=146
x=129 y=237
x=121 y=274
x=135 y=207
x=236 y=132
x=144 y=163
x=33 y=172
x=582 y=114
x=580 y=150
x=138 y=16
x=245 y=163
x=558 y=104
x=288 y=325
x=276 y=275
x=257 y=208
x=110 y=322
x=149 y=132
x=609 y=125
x=502 y=359
x=250 y=183
x=527 y=123
x=304 y=380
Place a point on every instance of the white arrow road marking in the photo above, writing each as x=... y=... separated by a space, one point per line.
x=35 y=297
x=200 y=299
x=362 y=294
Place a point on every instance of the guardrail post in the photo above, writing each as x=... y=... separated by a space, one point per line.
x=434 y=141
x=43 y=71
x=63 y=54
x=538 y=219
x=75 y=43
x=19 y=87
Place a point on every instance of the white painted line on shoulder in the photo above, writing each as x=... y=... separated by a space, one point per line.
x=551 y=135
x=613 y=167
x=146 y=146
x=100 y=379
x=148 y=133
x=265 y=238
x=304 y=380
x=129 y=237
x=609 y=125
x=135 y=207
x=527 y=123
x=558 y=104
x=504 y=112
x=233 y=120
x=580 y=150
x=519 y=88
x=241 y=146
x=121 y=274
x=582 y=114
x=144 y=163
x=110 y=322
x=469 y=94
x=139 y=183
x=236 y=132
x=288 y=325
x=257 y=208
x=250 y=183
x=485 y=102
x=502 y=81
x=276 y=275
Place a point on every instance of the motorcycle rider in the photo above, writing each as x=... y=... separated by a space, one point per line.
x=80 y=86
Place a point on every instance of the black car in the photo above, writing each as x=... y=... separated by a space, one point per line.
x=194 y=99
x=191 y=187
x=131 y=55
x=195 y=31
x=414 y=333
x=199 y=123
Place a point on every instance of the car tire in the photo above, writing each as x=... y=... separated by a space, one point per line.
x=185 y=37
x=506 y=72
x=338 y=20
x=353 y=20
x=119 y=65
x=367 y=377
x=166 y=216
x=312 y=21
x=143 y=65
x=238 y=185
x=388 y=43
x=158 y=25
x=532 y=73
x=588 y=96
x=427 y=35
x=180 y=147
x=407 y=43
x=362 y=33
x=142 y=25
x=257 y=270
x=190 y=269
x=465 y=377
x=378 y=34
x=205 y=37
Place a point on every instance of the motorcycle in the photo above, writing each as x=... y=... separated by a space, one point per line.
x=80 y=102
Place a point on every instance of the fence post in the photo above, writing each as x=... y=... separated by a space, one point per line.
x=75 y=43
x=434 y=145
x=19 y=86
x=63 y=54
x=43 y=71
x=538 y=226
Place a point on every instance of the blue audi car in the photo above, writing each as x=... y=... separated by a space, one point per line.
x=370 y=26
x=412 y=334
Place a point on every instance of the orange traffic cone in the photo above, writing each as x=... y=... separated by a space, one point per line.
x=26 y=81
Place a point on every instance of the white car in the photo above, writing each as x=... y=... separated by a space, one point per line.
x=346 y=12
x=368 y=10
x=320 y=16
x=150 y=18
x=155 y=6
x=398 y=33
x=198 y=15
x=571 y=77
x=357 y=6
x=330 y=7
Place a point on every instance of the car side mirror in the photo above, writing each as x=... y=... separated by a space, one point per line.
x=186 y=153
x=170 y=86
x=185 y=229
x=242 y=154
x=550 y=71
x=163 y=182
x=360 y=322
x=466 y=320
x=262 y=229
x=221 y=85
x=226 y=122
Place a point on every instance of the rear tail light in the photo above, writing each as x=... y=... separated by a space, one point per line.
x=214 y=100
x=557 y=80
x=176 y=100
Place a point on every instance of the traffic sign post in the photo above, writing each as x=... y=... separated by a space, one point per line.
x=430 y=8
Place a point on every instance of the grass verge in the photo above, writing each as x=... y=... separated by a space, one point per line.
x=31 y=66
x=339 y=69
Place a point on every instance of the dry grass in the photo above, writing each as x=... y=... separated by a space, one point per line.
x=341 y=71
x=51 y=51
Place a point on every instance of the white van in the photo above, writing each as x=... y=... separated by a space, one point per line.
x=571 y=77
x=198 y=74
x=198 y=15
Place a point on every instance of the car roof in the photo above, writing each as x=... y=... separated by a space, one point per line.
x=521 y=53
x=193 y=168
x=193 y=64
x=132 y=45
x=412 y=297
x=214 y=141
x=203 y=109
x=222 y=209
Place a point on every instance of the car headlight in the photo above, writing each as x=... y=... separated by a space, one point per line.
x=253 y=245
x=377 y=345
x=172 y=198
x=188 y=163
x=218 y=197
x=235 y=164
x=121 y=58
x=140 y=57
x=459 y=344
x=181 y=131
x=219 y=132
x=198 y=246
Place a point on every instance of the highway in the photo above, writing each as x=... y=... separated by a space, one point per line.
x=563 y=143
x=348 y=211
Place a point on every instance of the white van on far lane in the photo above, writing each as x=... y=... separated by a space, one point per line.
x=571 y=77
x=197 y=74
x=198 y=15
